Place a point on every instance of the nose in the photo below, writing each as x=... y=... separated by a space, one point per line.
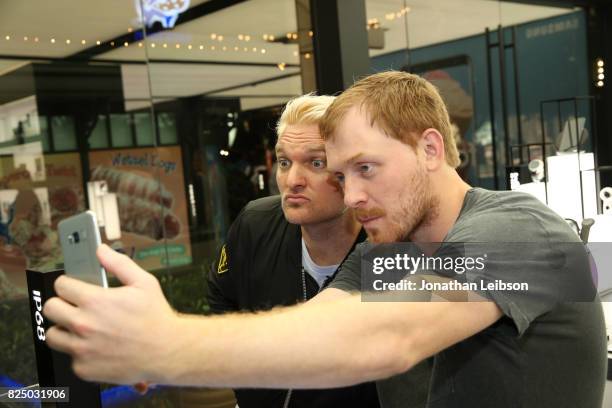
x=354 y=194
x=295 y=178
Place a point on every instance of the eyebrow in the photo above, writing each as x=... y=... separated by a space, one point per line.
x=350 y=161
x=320 y=149
x=354 y=158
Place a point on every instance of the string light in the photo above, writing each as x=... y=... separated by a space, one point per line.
x=599 y=64
x=393 y=15
x=202 y=47
x=373 y=23
x=281 y=66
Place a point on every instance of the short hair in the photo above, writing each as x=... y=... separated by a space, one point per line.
x=304 y=110
x=403 y=105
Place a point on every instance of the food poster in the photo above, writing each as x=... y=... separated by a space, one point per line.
x=29 y=213
x=151 y=201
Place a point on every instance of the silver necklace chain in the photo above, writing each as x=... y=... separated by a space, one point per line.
x=305 y=298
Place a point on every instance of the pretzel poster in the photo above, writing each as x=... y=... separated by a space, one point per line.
x=151 y=200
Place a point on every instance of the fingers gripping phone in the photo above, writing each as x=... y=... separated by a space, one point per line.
x=80 y=238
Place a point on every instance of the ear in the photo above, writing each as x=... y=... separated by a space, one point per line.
x=432 y=145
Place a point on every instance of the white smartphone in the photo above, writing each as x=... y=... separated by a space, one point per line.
x=80 y=238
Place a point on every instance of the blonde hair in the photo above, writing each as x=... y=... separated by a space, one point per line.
x=404 y=105
x=304 y=110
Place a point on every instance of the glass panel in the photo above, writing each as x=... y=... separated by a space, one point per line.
x=167 y=128
x=99 y=135
x=217 y=85
x=48 y=110
x=64 y=134
x=121 y=130
x=44 y=133
x=550 y=122
x=145 y=135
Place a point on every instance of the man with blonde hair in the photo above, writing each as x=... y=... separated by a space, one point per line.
x=283 y=250
x=387 y=144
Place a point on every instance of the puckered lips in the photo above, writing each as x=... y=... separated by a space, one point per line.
x=295 y=199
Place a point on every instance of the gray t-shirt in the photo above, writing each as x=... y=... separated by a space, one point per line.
x=549 y=348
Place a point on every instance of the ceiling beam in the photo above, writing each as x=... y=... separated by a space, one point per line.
x=34 y=58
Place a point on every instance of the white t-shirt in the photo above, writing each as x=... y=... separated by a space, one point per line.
x=319 y=273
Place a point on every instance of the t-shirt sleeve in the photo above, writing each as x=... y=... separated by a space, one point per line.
x=531 y=264
x=348 y=277
x=224 y=274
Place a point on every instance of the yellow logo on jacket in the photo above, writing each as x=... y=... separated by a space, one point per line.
x=222 y=267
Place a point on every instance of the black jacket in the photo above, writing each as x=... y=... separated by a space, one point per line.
x=258 y=268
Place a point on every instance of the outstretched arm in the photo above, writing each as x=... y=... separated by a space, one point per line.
x=131 y=334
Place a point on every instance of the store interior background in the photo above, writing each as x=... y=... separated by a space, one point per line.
x=180 y=121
